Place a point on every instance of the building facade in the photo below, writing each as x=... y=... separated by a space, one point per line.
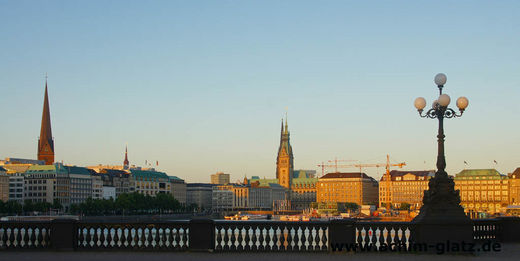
x=251 y=195
x=222 y=199
x=46 y=183
x=400 y=187
x=514 y=187
x=16 y=187
x=178 y=189
x=80 y=184
x=97 y=186
x=119 y=179
x=4 y=185
x=200 y=194
x=482 y=190
x=303 y=189
x=351 y=187
x=109 y=192
x=220 y=178
x=150 y=182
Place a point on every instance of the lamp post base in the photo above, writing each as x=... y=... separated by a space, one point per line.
x=441 y=218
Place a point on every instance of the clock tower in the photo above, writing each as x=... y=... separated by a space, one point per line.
x=284 y=161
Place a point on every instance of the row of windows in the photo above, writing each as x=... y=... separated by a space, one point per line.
x=490 y=205
x=469 y=198
x=480 y=187
x=496 y=192
x=39 y=194
x=481 y=182
x=44 y=181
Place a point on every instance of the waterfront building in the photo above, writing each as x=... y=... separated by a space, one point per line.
x=46 y=141
x=80 y=184
x=109 y=192
x=4 y=185
x=121 y=180
x=514 y=187
x=399 y=187
x=45 y=183
x=97 y=186
x=252 y=194
x=16 y=186
x=303 y=189
x=353 y=187
x=482 y=190
x=178 y=189
x=150 y=182
x=222 y=198
x=200 y=194
x=220 y=178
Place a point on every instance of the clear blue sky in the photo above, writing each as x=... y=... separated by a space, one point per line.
x=201 y=86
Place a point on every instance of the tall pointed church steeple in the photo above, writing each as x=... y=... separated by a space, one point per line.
x=126 y=163
x=281 y=133
x=286 y=131
x=284 y=161
x=46 y=142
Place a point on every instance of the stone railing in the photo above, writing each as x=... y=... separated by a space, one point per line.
x=271 y=236
x=211 y=235
x=378 y=233
x=172 y=236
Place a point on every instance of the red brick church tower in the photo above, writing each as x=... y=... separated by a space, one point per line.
x=45 y=142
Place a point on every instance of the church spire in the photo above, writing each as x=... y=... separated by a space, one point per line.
x=46 y=143
x=126 y=163
x=281 y=132
x=286 y=127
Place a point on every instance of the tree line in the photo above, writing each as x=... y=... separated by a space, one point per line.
x=125 y=204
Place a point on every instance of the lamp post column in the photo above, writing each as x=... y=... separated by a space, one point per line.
x=441 y=159
x=441 y=217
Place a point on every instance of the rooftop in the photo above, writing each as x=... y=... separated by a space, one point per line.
x=516 y=173
x=206 y=185
x=148 y=174
x=175 y=178
x=479 y=173
x=345 y=175
x=46 y=169
x=417 y=173
x=78 y=170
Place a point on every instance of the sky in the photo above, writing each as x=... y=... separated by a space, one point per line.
x=201 y=86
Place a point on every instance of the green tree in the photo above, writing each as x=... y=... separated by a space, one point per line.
x=57 y=204
x=351 y=206
x=404 y=206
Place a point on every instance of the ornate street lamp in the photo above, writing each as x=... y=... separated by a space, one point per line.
x=441 y=202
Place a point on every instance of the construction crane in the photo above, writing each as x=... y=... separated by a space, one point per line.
x=387 y=165
x=336 y=160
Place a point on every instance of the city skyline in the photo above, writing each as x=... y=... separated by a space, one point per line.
x=351 y=102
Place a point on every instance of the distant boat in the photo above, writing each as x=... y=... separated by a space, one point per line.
x=239 y=216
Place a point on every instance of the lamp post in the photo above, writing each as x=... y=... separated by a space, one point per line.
x=441 y=208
